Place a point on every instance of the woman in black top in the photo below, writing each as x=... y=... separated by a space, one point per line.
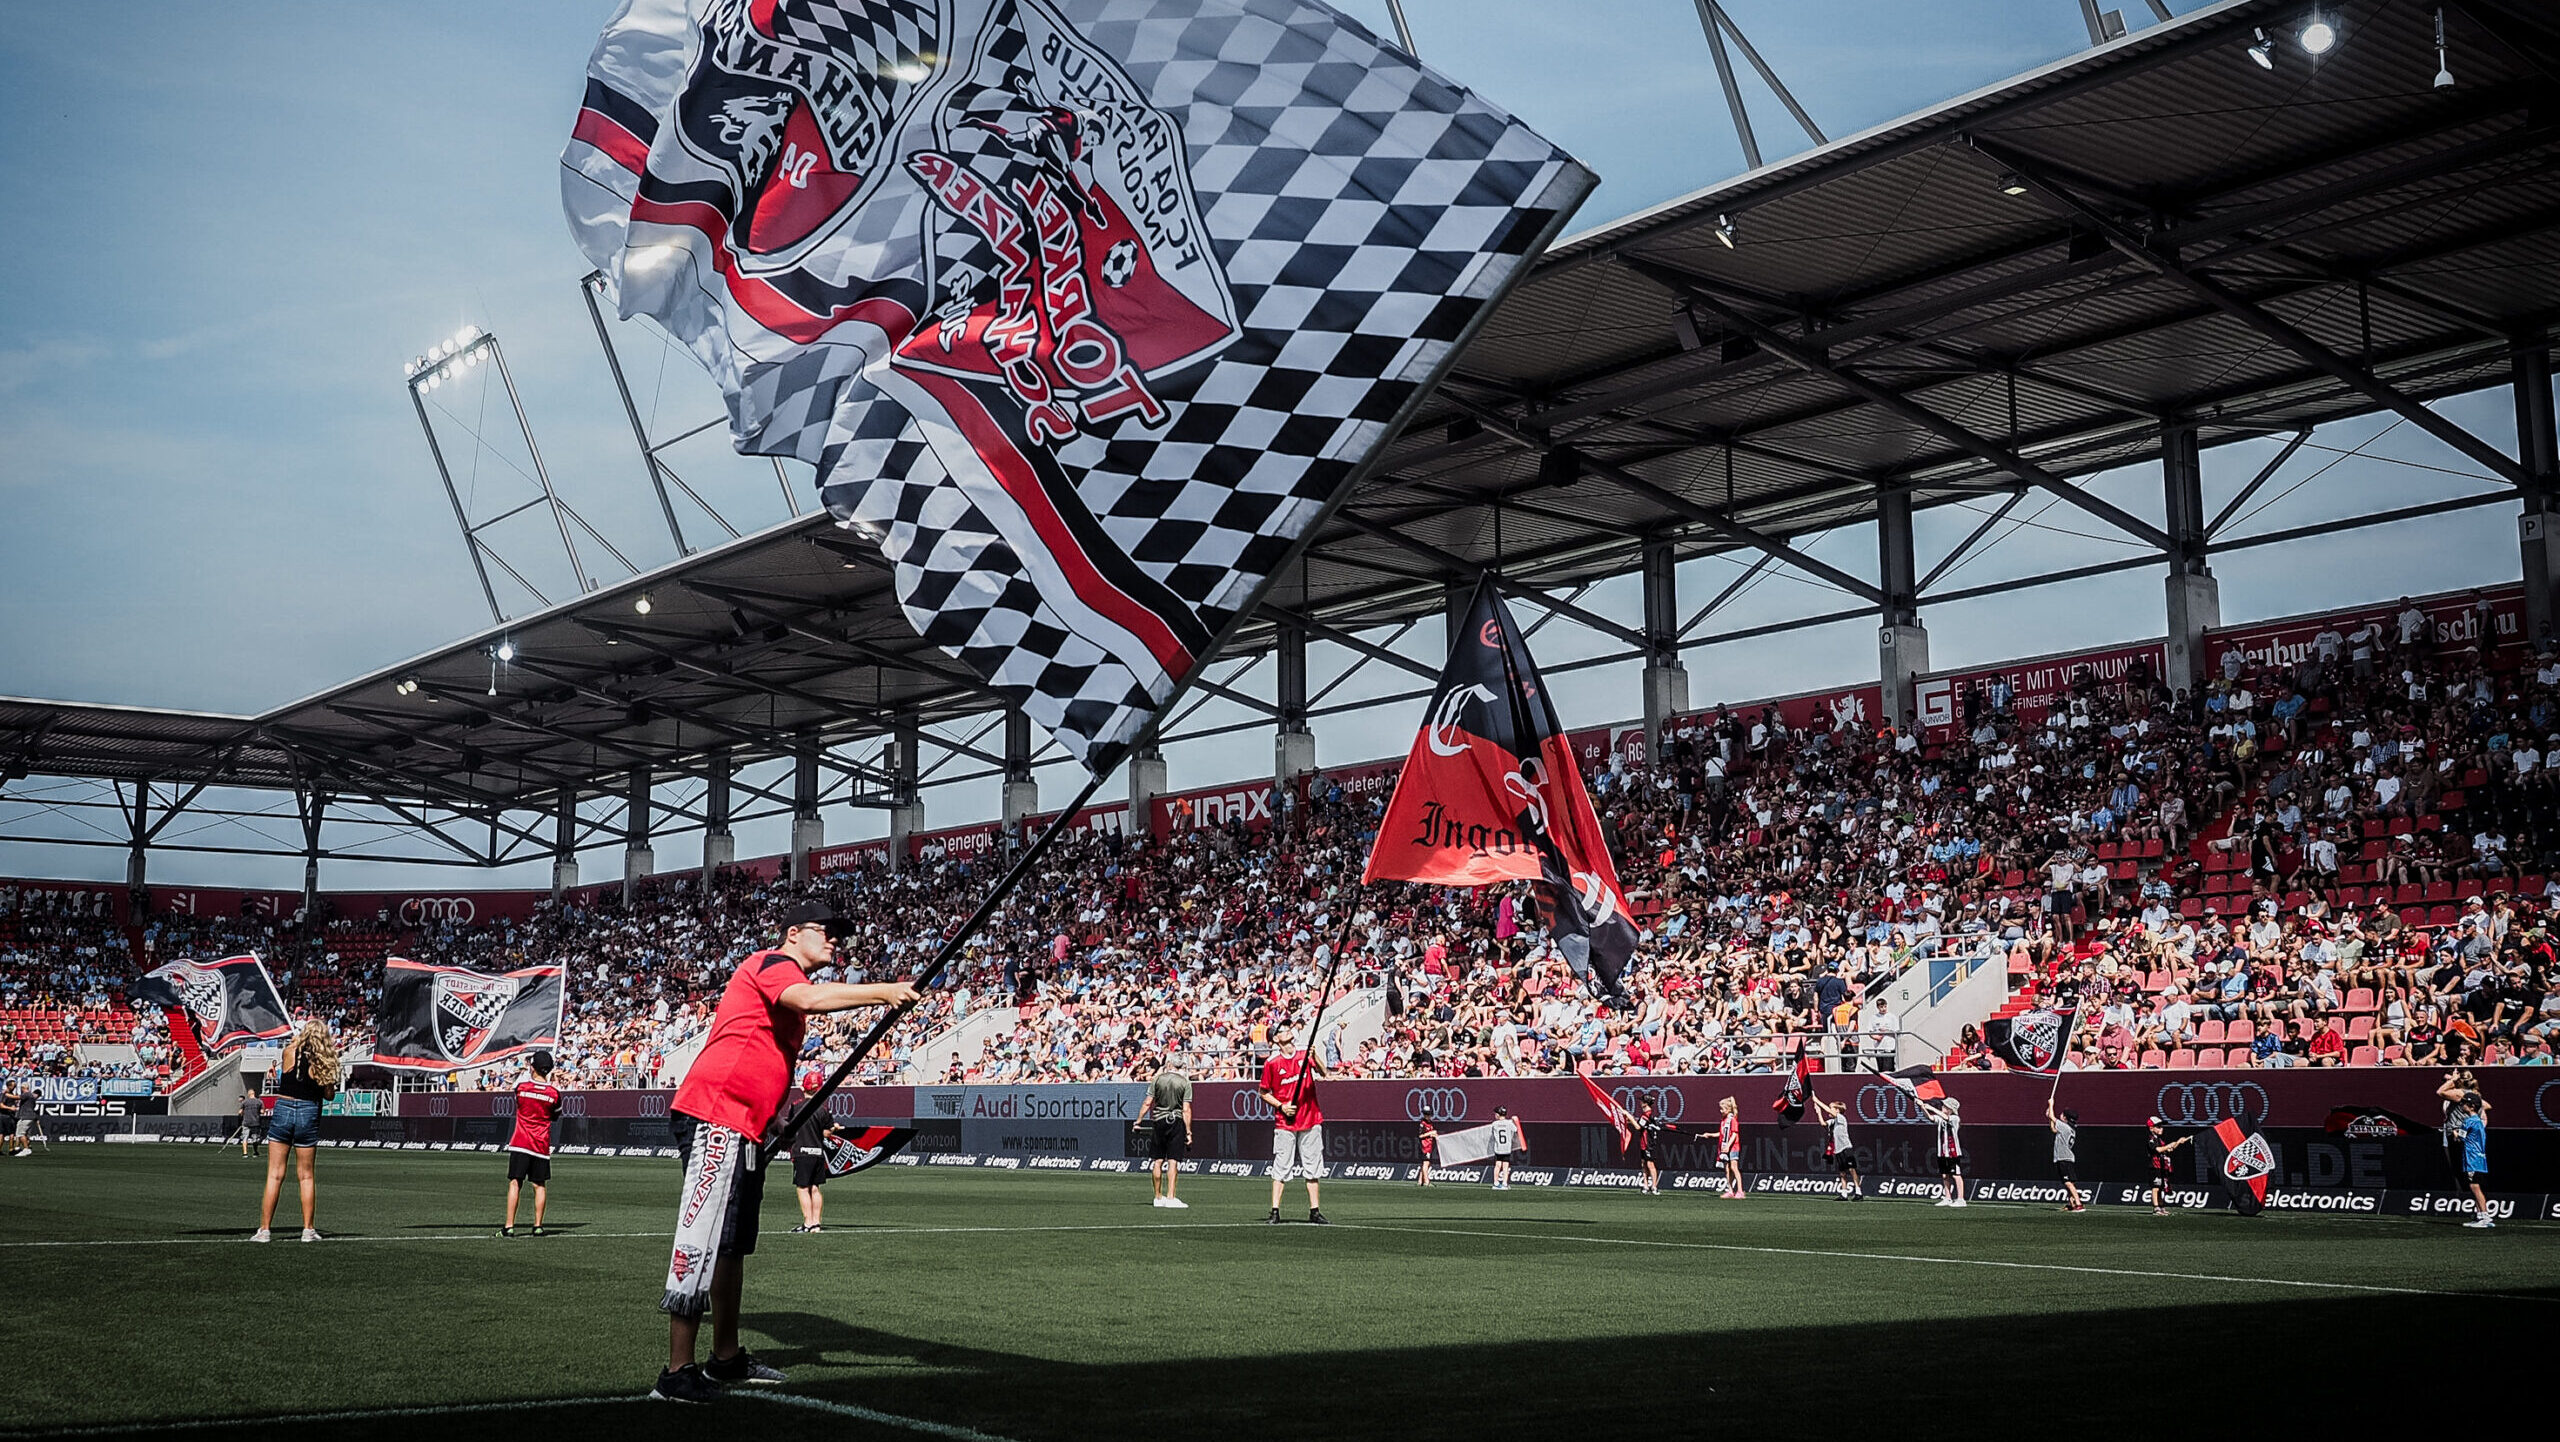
x=307 y=1075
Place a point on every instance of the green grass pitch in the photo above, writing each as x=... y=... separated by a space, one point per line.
x=957 y=1304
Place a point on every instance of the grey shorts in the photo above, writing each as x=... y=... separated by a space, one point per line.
x=1298 y=1154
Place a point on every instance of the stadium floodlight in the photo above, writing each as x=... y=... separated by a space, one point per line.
x=2263 y=51
x=2444 y=67
x=506 y=649
x=2011 y=183
x=407 y=687
x=2319 y=35
x=1724 y=230
x=642 y=605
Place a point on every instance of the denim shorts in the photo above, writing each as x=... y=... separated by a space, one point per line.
x=294 y=1122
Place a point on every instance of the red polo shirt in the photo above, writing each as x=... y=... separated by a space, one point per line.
x=740 y=1077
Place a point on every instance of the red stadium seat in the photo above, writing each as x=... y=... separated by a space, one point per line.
x=2241 y=1032
x=2154 y=1059
x=2193 y=906
x=2361 y=998
x=2181 y=1059
x=2209 y=1057
x=2438 y=892
x=2209 y=1032
x=2445 y=915
x=2363 y=1056
x=2359 y=1029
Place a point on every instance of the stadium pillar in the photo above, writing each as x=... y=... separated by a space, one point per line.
x=314 y=807
x=1666 y=681
x=719 y=844
x=2538 y=530
x=1293 y=746
x=1902 y=643
x=808 y=829
x=639 y=861
x=1021 y=793
x=906 y=813
x=564 y=844
x=137 y=857
x=1146 y=781
x=2194 y=596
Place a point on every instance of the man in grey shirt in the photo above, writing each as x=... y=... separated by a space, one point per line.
x=1168 y=1125
x=2066 y=1148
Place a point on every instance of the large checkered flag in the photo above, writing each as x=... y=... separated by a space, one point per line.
x=1086 y=310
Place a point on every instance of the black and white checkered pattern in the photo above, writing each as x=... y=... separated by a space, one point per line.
x=1364 y=210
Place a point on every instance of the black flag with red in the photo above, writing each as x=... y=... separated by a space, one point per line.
x=2031 y=1041
x=853 y=1149
x=2243 y=1161
x=1790 y=1103
x=1491 y=793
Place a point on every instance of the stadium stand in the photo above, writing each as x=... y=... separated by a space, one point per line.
x=2339 y=855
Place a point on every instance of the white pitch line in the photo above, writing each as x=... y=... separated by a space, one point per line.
x=375 y=1414
x=885 y=1419
x=1948 y=1262
x=493 y=1239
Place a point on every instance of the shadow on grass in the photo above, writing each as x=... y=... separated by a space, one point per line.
x=2069 y=1369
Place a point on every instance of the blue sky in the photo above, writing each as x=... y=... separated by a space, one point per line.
x=233 y=223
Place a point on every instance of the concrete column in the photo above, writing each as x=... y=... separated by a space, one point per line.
x=906 y=816
x=2194 y=597
x=639 y=859
x=1293 y=745
x=1021 y=793
x=315 y=810
x=564 y=844
x=1902 y=643
x=719 y=845
x=1146 y=781
x=2538 y=529
x=808 y=830
x=1666 y=681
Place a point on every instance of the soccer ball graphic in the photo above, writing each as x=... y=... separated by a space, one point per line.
x=1119 y=263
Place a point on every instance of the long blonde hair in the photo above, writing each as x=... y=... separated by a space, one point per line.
x=316 y=1054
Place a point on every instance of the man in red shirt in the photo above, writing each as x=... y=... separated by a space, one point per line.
x=721 y=1112
x=529 y=1147
x=1297 y=1129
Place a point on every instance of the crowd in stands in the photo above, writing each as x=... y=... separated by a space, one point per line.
x=2345 y=859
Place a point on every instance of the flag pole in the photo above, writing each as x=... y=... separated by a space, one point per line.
x=950 y=948
x=1315 y=1024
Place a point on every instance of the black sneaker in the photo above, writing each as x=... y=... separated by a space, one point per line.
x=1275 y=1216
x=506 y=1231
x=684 y=1384
x=1317 y=1217
x=742 y=1368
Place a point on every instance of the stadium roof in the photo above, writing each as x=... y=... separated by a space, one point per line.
x=2020 y=287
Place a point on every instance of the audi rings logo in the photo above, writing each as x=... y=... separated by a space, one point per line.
x=1249 y=1106
x=1446 y=1104
x=2546 y=1103
x=1668 y=1104
x=419 y=910
x=653 y=1104
x=1889 y=1106
x=2201 y=1104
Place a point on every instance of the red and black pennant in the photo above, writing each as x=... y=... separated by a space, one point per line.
x=1491 y=793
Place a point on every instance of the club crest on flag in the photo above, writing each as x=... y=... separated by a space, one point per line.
x=200 y=992
x=2038 y=1037
x=467 y=1009
x=2250 y=1160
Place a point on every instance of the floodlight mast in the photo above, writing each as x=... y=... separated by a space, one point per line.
x=448 y=361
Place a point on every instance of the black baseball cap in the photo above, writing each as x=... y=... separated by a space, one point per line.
x=811 y=913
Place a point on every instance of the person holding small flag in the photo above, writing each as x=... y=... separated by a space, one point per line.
x=2066 y=1153
x=2163 y=1165
x=1844 y=1157
x=1297 y=1130
x=1428 y=1141
x=1947 y=1115
x=1641 y=1130
x=1729 y=1148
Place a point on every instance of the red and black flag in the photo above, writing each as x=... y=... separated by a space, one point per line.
x=1491 y=793
x=228 y=1003
x=1921 y=1081
x=2370 y=1124
x=1790 y=1103
x=1609 y=1108
x=856 y=1148
x=446 y=1018
x=2031 y=1041
x=2244 y=1161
